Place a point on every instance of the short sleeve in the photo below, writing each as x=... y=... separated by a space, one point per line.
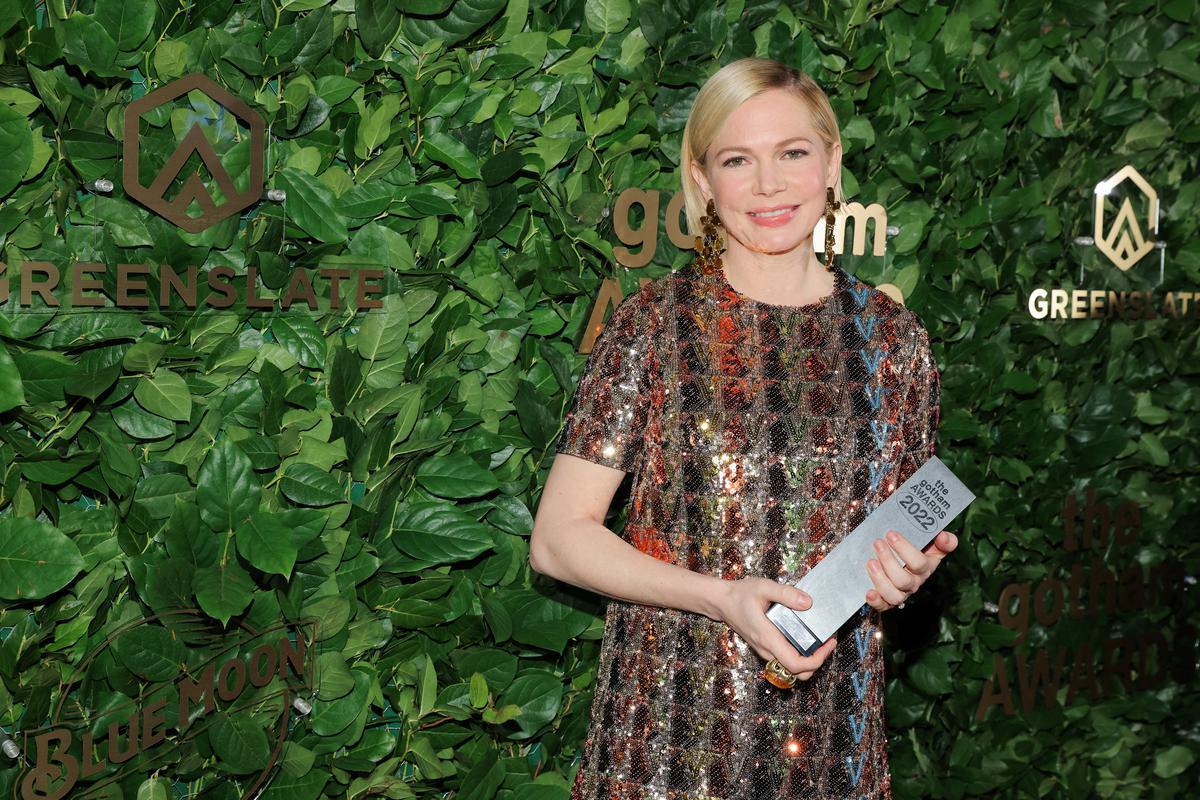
x=610 y=412
x=921 y=410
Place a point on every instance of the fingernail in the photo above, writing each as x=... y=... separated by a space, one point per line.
x=879 y=545
x=893 y=536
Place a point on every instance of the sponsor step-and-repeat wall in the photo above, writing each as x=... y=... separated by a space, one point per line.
x=293 y=300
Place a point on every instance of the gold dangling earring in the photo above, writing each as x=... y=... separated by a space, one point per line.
x=831 y=205
x=708 y=248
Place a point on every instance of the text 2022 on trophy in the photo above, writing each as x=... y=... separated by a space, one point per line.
x=918 y=511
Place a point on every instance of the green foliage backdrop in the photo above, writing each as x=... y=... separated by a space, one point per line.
x=377 y=473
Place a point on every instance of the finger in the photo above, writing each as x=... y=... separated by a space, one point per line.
x=794 y=662
x=790 y=596
x=946 y=542
x=814 y=662
x=883 y=583
x=901 y=578
x=875 y=601
x=917 y=562
x=780 y=649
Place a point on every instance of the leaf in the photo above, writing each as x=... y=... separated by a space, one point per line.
x=465 y=17
x=223 y=591
x=1173 y=761
x=151 y=652
x=11 y=392
x=227 y=490
x=239 y=742
x=931 y=673
x=439 y=533
x=377 y=23
x=165 y=394
x=330 y=717
x=304 y=787
x=300 y=336
x=447 y=150
x=128 y=21
x=546 y=621
x=502 y=166
x=538 y=693
x=154 y=789
x=309 y=486
x=141 y=424
x=89 y=46
x=479 y=691
x=606 y=16
x=1146 y=134
x=483 y=779
x=266 y=542
x=312 y=206
x=382 y=332
x=455 y=475
x=36 y=559
x=16 y=142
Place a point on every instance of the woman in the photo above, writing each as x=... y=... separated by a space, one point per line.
x=764 y=403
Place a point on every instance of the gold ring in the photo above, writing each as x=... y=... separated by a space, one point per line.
x=778 y=676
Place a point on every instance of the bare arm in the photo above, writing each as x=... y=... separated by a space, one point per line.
x=571 y=543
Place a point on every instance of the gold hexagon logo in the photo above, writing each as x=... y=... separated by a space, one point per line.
x=194 y=142
x=1124 y=241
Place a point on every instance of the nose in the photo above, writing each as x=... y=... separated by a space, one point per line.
x=768 y=178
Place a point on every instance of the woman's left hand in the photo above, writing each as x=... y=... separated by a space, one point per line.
x=894 y=582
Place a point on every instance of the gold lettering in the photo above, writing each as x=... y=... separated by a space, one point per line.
x=1168 y=306
x=224 y=293
x=678 y=236
x=646 y=235
x=252 y=298
x=365 y=289
x=190 y=691
x=292 y=655
x=996 y=692
x=861 y=215
x=169 y=282
x=154 y=723
x=231 y=691
x=1038 y=307
x=1079 y=299
x=1058 y=304
x=80 y=284
x=125 y=284
x=44 y=288
x=335 y=276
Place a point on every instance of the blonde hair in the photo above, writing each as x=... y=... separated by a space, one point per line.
x=729 y=87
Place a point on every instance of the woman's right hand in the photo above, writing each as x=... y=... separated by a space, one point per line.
x=743 y=607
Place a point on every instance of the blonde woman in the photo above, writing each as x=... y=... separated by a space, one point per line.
x=764 y=403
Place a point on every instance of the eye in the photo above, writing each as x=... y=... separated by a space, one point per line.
x=795 y=153
x=733 y=161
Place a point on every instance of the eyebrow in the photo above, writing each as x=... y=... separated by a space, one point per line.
x=745 y=149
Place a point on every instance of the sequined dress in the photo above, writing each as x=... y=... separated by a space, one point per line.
x=757 y=436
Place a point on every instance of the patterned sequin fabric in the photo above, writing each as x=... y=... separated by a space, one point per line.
x=758 y=436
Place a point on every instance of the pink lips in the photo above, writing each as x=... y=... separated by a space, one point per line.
x=777 y=220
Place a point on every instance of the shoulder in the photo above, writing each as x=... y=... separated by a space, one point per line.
x=899 y=318
x=897 y=324
x=648 y=304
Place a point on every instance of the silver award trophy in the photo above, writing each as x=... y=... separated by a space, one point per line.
x=838 y=584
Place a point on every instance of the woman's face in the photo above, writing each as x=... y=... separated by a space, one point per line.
x=767 y=172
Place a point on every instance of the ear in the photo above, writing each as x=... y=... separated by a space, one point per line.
x=701 y=178
x=833 y=176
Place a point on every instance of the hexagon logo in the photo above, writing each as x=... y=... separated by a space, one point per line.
x=194 y=142
x=1124 y=241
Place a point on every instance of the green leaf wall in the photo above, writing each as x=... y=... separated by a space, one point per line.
x=377 y=473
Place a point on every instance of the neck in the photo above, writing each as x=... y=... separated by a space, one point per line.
x=796 y=277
